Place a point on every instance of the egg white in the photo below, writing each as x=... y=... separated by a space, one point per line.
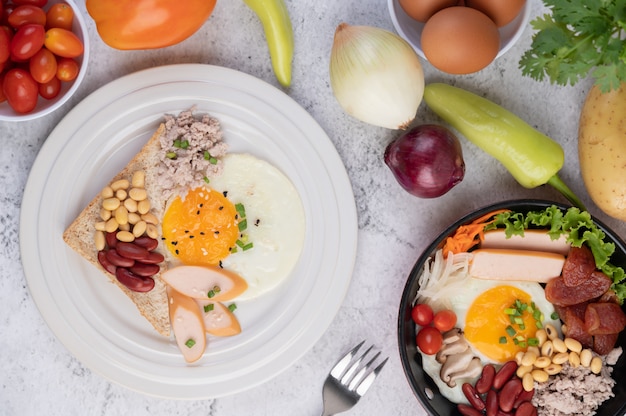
x=275 y=221
x=460 y=301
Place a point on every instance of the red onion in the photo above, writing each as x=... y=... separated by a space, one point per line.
x=426 y=160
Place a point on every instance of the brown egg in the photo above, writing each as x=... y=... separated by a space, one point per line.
x=421 y=10
x=460 y=40
x=502 y=12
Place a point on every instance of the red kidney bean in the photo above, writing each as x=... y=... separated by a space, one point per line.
x=134 y=282
x=475 y=400
x=105 y=263
x=504 y=374
x=484 y=383
x=509 y=392
x=147 y=242
x=467 y=410
x=131 y=251
x=492 y=403
x=116 y=259
x=143 y=269
x=153 y=258
x=111 y=239
x=524 y=396
x=526 y=409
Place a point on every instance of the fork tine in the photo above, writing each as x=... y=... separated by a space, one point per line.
x=359 y=376
x=369 y=380
x=346 y=377
x=343 y=363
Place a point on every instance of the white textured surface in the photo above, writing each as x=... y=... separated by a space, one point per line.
x=38 y=376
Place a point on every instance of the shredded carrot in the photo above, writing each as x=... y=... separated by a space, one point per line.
x=468 y=235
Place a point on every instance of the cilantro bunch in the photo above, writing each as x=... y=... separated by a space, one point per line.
x=579 y=229
x=578 y=37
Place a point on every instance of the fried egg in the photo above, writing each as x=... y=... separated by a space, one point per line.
x=481 y=308
x=249 y=220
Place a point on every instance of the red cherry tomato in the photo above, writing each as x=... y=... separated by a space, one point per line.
x=38 y=3
x=422 y=314
x=429 y=340
x=43 y=66
x=5 y=43
x=25 y=14
x=21 y=90
x=60 y=15
x=27 y=41
x=63 y=43
x=67 y=69
x=3 y=97
x=444 y=320
x=50 y=89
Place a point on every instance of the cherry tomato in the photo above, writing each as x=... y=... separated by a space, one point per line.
x=422 y=314
x=67 y=69
x=43 y=66
x=27 y=41
x=27 y=13
x=444 y=320
x=429 y=340
x=60 y=15
x=63 y=43
x=5 y=43
x=38 y=3
x=21 y=90
x=50 y=89
x=3 y=97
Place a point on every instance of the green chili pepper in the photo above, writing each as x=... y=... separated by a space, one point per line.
x=530 y=156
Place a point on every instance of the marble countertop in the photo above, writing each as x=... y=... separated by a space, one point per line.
x=39 y=376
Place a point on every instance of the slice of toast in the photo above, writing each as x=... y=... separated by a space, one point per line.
x=153 y=305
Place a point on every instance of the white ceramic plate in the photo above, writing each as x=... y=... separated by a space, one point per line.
x=96 y=321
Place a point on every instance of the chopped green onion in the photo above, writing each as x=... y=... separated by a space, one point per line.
x=213 y=160
x=206 y=179
x=510 y=311
x=242 y=224
x=510 y=331
x=503 y=340
x=241 y=210
x=190 y=343
x=232 y=307
x=534 y=342
x=554 y=316
x=208 y=308
x=519 y=321
x=170 y=155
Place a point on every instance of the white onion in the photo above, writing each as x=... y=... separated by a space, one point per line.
x=376 y=76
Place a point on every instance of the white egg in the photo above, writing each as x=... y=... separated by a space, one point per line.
x=275 y=221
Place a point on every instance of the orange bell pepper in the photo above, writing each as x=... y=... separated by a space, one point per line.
x=148 y=24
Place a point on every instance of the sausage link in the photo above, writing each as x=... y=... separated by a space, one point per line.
x=484 y=383
x=117 y=260
x=132 y=250
x=143 y=269
x=508 y=394
x=526 y=409
x=467 y=410
x=504 y=374
x=134 y=282
x=472 y=396
x=492 y=403
x=105 y=263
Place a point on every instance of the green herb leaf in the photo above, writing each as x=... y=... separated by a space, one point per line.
x=577 y=38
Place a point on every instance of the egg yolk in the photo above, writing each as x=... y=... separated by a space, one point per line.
x=487 y=323
x=202 y=228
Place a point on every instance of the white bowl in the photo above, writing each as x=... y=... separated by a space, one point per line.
x=411 y=30
x=44 y=106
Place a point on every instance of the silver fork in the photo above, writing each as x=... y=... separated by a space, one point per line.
x=348 y=381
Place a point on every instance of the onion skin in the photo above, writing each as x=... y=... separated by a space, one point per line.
x=427 y=161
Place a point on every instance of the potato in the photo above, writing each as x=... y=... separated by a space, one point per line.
x=602 y=149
